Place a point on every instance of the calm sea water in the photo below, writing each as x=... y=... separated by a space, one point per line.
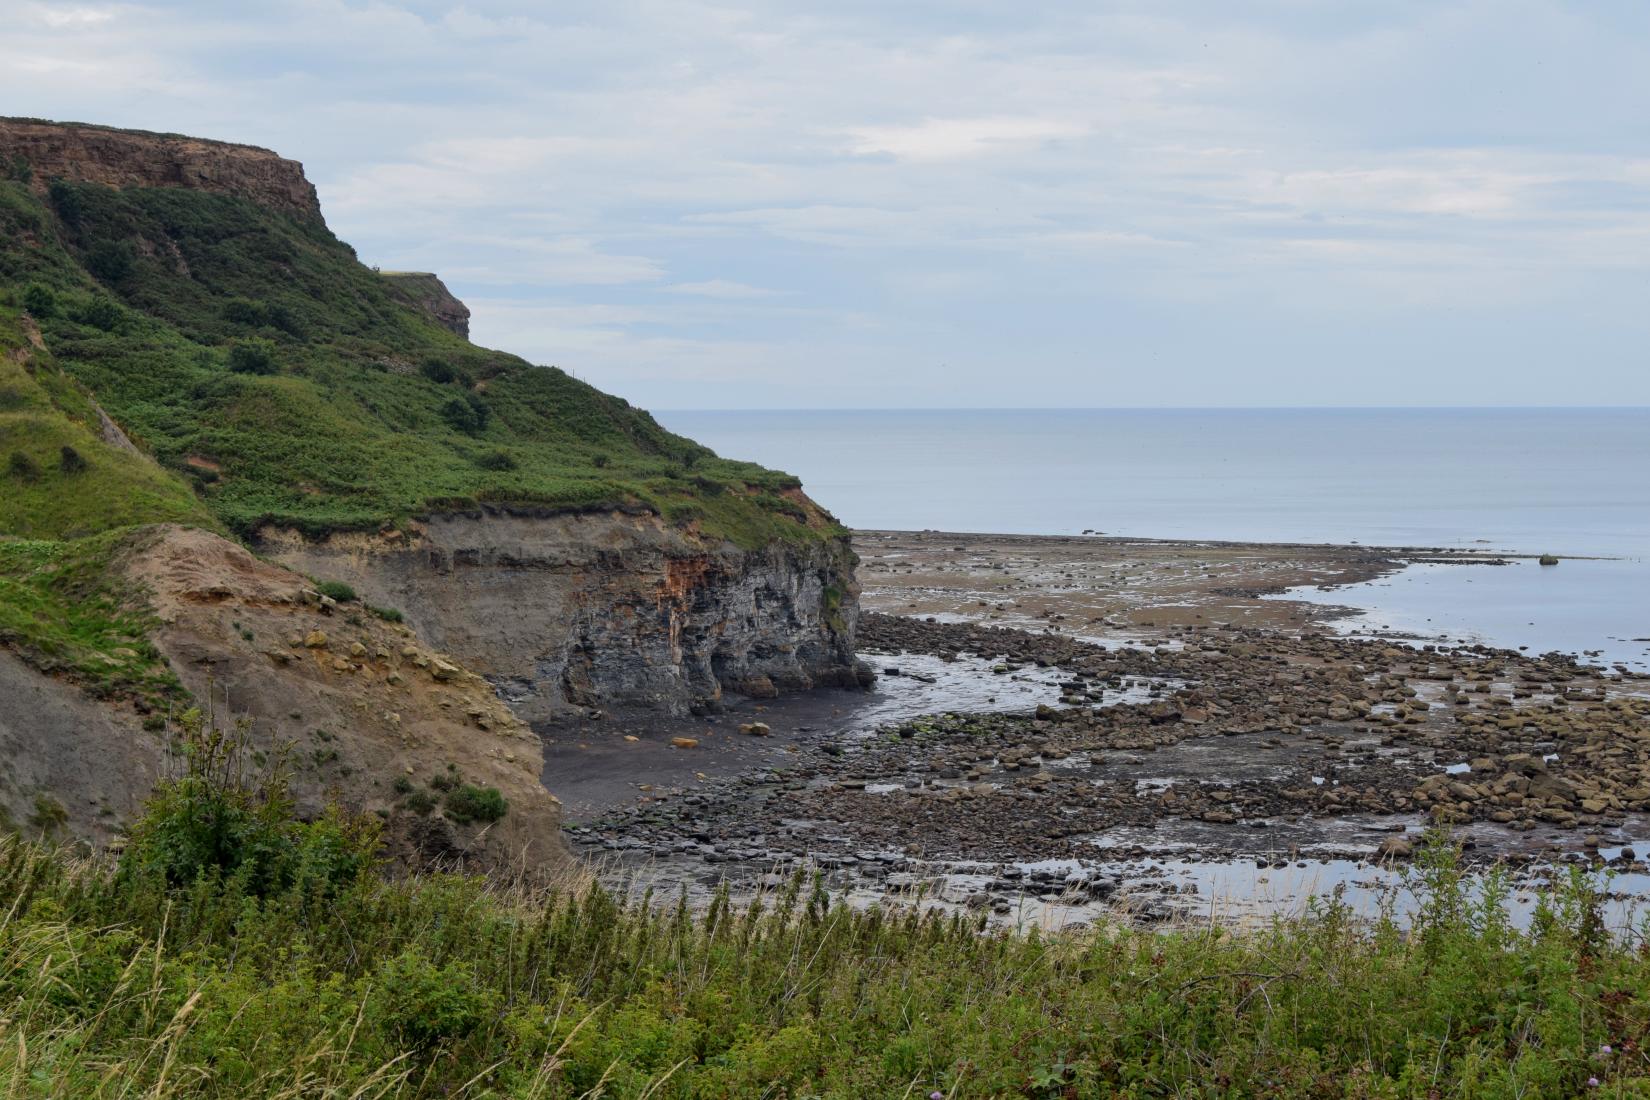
x=1564 y=481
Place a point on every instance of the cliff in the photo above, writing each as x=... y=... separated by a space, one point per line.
x=424 y=291
x=563 y=612
x=185 y=347
x=365 y=711
x=130 y=158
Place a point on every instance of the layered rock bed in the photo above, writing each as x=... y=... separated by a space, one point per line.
x=1213 y=742
x=571 y=613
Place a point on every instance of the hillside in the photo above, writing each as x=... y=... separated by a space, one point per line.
x=249 y=351
x=193 y=367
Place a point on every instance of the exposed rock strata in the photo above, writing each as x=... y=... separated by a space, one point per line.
x=61 y=750
x=569 y=611
x=360 y=703
x=128 y=158
x=426 y=292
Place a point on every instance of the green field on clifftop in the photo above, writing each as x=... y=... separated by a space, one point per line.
x=277 y=380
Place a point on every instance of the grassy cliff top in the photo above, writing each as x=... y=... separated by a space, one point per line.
x=275 y=380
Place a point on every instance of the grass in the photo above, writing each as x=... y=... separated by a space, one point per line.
x=44 y=492
x=235 y=952
x=256 y=358
x=65 y=613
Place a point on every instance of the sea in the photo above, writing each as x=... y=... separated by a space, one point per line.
x=1566 y=481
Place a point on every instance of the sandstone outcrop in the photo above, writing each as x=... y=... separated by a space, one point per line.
x=127 y=158
x=604 y=610
x=425 y=292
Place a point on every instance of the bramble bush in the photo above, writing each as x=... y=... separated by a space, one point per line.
x=219 y=819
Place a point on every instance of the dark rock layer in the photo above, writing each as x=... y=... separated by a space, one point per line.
x=563 y=612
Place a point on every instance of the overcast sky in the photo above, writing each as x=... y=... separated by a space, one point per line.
x=951 y=202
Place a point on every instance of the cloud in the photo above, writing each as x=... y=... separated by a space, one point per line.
x=955 y=138
x=722 y=288
x=717 y=202
x=552 y=261
x=67 y=16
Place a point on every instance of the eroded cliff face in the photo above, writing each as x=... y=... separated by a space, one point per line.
x=425 y=291
x=566 y=612
x=125 y=158
x=368 y=713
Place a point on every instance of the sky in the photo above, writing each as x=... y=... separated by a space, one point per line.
x=951 y=203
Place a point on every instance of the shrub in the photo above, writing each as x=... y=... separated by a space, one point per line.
x=279 y=316
x=684 y=512
x=20 y=170
x=468 y=414
x=67 y=200
x=100 y=313
x=337 y=590
x=469 y=803
x=388 y=614
x=496 y=460
x=436 y=370
x=254 y=355
x=70 y=461
x=419 y=802
x=419 y=1004
x=49 y=814
x=39 y=301
x=22 y=467
x=244 y=311
x=110 y=261
x=217 y=818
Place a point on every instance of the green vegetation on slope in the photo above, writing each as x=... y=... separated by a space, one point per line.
x=63 y=612
x=254 y=355
x=236 y=952
x=58 y=478
x=68 y=505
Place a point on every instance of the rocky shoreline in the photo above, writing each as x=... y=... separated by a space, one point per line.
x=1233 y=729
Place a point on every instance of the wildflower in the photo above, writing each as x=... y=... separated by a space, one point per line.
x=1592 y=1082
x=1605 y=1049
x=936 y=1095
